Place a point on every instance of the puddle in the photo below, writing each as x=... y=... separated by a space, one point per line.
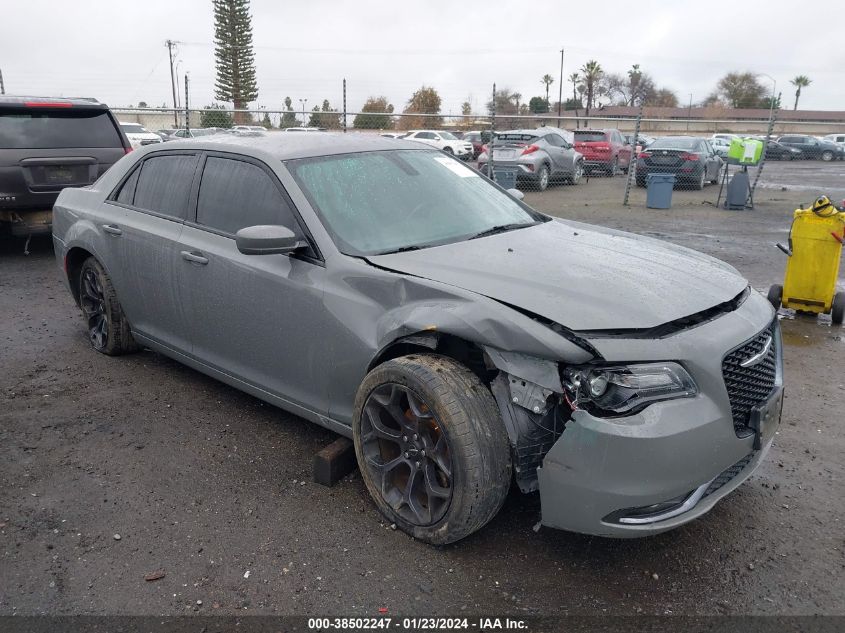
x=804 y=330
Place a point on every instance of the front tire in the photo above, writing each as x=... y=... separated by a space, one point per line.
x=108 y=329
x=448 y=150
x=543 y=178
x=576 y=176
x=432 y=448
x=827 y=156
x=837 y=308
x=775 y=295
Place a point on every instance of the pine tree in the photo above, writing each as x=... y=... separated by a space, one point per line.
x=236 y=81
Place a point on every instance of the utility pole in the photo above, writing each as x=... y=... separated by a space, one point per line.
x=170 y=44
x=689 y=111
x=344 y=104
x=303 y=102
x=560 y=89
x=187 y=111
x=2 y=86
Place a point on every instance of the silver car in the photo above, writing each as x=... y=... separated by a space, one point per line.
x=465 y=341
x=541 y=156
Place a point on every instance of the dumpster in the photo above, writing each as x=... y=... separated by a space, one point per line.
x=815 y=248
x=505 y=177
x=659 y=192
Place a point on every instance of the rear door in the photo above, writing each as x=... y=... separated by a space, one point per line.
x=556 y=146
x=46 y=147
x=255 y=317
x=154 y=199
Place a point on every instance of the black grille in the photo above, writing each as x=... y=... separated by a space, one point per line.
x=748 y=386
x=728 y=474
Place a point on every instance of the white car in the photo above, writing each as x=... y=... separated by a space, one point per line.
x=445 y=141
x=138 y=135
x=305 y=129
x=724 y=137
x=838 y=138
x=247 y=128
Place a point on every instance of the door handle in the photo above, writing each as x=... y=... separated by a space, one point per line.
x=112 y=229
x=196 y=258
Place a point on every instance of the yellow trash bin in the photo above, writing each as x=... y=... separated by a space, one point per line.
x=815 y=247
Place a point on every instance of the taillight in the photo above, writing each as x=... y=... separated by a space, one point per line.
x=644 y=155
x=484 y=148
x=530 y=150
x=688 y=156
x=47 y=104
x=127 y=149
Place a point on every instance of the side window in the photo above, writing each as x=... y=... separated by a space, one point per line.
x=127 y=191
x=554 y=140
x=234 y=194
x=427 y=135
x=164 y=184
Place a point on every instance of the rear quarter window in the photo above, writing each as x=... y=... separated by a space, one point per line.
x=60 y=128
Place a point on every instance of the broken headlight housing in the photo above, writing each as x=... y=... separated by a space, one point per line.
x=615 y=390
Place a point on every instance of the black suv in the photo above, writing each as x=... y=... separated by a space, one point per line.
x=811 y=147
x=47 y=145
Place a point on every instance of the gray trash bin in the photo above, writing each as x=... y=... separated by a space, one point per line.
x=505 y=177
x=659 y=192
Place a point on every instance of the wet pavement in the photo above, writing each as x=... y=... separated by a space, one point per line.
x=212 y=488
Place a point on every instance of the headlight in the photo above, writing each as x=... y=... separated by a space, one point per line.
x=622 y=389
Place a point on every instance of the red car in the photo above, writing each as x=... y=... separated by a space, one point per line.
x=604 y=150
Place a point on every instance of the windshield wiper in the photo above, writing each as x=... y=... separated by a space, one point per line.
x=502 y=228
x=401 y=249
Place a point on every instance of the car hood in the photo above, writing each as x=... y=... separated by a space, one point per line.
x=580 y=276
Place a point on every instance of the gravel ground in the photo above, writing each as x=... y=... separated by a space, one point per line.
x=114 y=469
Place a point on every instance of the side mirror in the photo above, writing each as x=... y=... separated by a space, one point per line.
x=267 y=239
x=516 y=193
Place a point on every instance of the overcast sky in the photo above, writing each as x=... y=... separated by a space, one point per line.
x=114 y=50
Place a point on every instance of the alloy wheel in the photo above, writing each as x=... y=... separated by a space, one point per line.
x=407 y=454
x=94 y=307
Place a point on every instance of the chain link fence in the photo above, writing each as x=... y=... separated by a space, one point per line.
x=631 y=159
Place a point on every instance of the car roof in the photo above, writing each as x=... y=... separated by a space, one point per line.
x=65 y=102
x=291 y=146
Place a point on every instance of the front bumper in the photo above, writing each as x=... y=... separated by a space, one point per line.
x=603 y=471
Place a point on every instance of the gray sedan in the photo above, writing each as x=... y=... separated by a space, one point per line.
x=541 y=156
x=466 y=342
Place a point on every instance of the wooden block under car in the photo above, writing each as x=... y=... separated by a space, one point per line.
x=334 y=462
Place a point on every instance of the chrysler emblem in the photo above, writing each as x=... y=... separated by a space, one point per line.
x=759 y=356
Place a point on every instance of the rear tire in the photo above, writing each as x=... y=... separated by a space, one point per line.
x=424 y=403
x=613 y=170
x=827 y=156
x=108 y=329
x=698 y=185
x=837 y=309
x=775 y=295
x=576 y=176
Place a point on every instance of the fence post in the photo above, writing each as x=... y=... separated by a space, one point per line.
x=772 y=117
x=187 y=110
x=632 y=164
x=344 y=105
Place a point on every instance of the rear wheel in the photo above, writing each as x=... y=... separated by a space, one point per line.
x=837 y=309
x=543 y=178
x=576 y=176
x=432 y=448
x=827 y=156
x=775 y=295
x=699 y=184
x=108 y=329
x=613 y=170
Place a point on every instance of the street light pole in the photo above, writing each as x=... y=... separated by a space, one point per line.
x=689 y=111
x=774 y=88
x=303 y=102
x=560 y=89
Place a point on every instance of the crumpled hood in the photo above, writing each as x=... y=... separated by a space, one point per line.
x=578 y=275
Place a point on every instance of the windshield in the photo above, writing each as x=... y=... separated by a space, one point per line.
x=675 y=143
x=131 y=128
x=590 y=137
x=448 y=136
x=379 y=202
x=46 y=129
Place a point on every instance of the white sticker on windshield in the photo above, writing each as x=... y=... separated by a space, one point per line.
x=452 y=165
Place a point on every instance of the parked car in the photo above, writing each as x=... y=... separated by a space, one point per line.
x=813 y=148
x=603 y=150
x=196 y=132
x=720 y=146
x=693 y=161
x=166 y=134
x=541 y=156
x=445 y=141
x=838 y=138
x=305 y=129
x=138 y=135
x=778 y=151
x=46 y=145
x=640 y=143
x=392 y=134
x=248 y=128
x=477 y=140
x=633 y=382
x=724 y=137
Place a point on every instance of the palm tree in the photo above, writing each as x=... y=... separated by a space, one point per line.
x=801 y=81
x=592 y=72
x=548 y=80
x=575 y=80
